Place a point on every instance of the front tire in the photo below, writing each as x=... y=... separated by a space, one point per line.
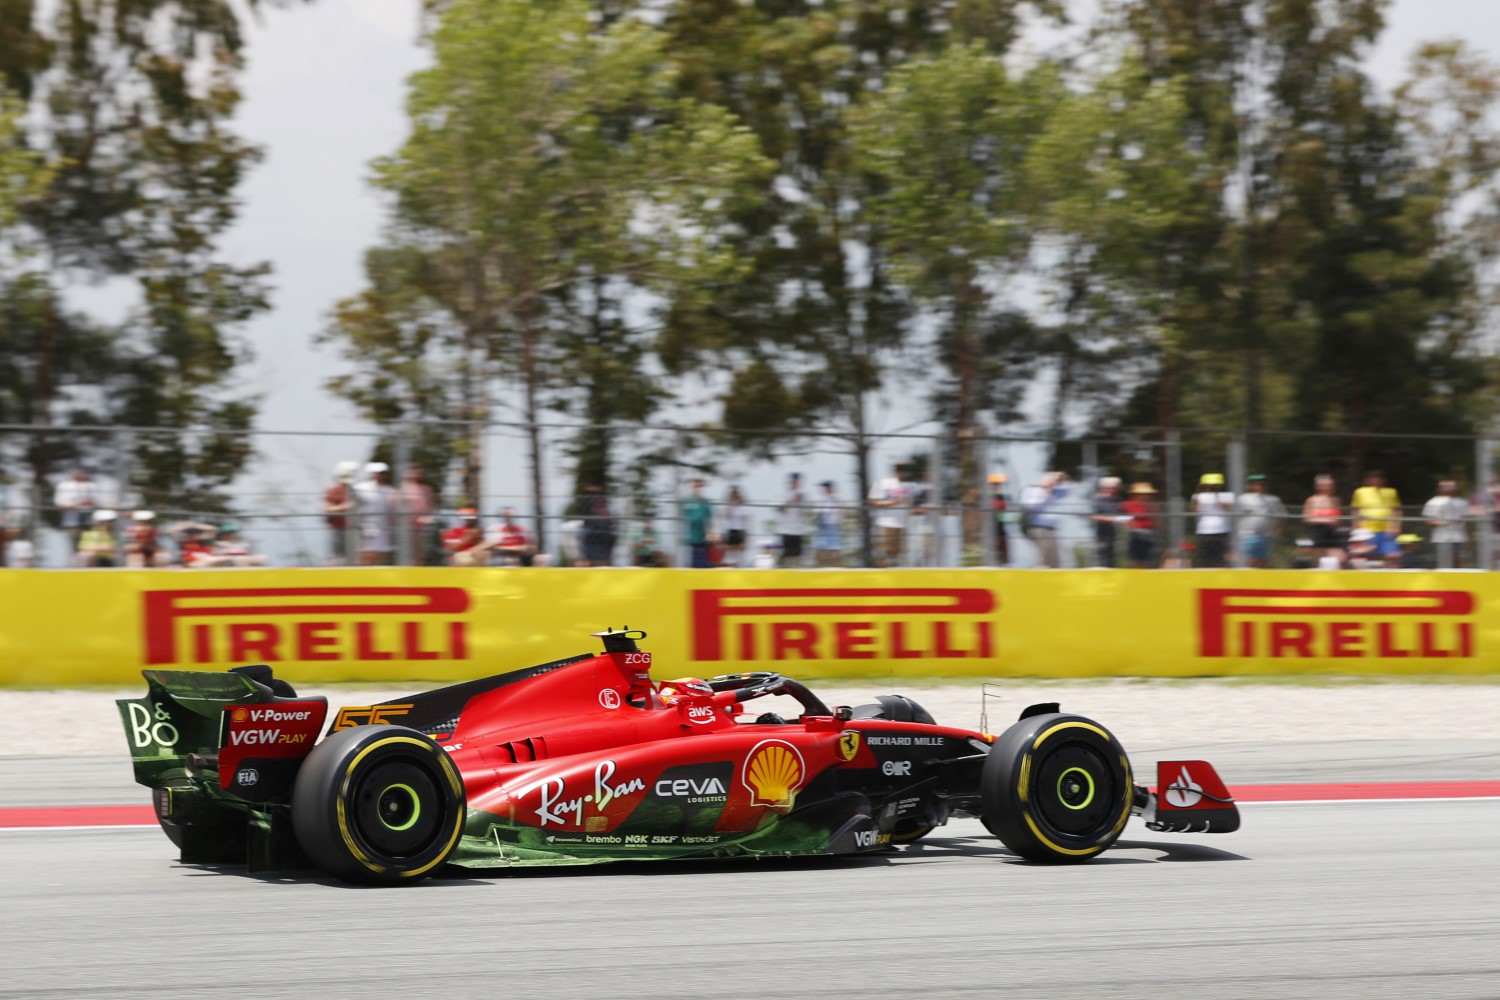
x=378 y=804
x=1056 y=788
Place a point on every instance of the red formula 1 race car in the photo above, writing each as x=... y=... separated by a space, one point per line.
x=586 y=760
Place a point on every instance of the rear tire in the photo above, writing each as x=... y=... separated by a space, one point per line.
x=1057 y=788
x=378 y=804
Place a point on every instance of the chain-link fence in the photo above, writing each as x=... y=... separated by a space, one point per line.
x=1144 y=498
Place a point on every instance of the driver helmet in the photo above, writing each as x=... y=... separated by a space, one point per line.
x=692 y=685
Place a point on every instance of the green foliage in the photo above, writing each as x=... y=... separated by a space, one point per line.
x=553 y=172
x=140 y=183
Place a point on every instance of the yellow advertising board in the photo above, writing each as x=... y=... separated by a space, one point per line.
x=70 y=627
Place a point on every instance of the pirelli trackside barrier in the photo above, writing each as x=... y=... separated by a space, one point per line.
x=60 y=627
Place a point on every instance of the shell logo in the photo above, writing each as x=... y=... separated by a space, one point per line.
x=773 y=772
x=239 y=715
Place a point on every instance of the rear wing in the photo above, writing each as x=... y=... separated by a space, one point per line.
x=192 y=722
x=181 y=717
x=218 y=751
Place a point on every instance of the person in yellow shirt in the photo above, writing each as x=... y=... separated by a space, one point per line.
x=1379 y=510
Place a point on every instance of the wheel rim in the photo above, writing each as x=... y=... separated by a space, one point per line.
x=396 y=808
x=1075 y=788
x=399 y=808
x=1075 y=792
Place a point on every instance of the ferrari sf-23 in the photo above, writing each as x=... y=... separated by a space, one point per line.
x=587 y=759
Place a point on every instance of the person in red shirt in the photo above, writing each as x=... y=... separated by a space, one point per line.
x=338 y=503
x=141 y=544
x=194 y=549
x=418 y=503
x=465 y=543
x=1000 y=506
x=511 y=540
x=1142 y=545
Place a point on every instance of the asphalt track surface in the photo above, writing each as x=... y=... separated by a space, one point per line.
x=1325 y=899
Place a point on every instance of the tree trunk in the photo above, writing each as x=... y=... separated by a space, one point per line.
x=41 y=446
x=530 y=378
x=862 y=467
x=965 y=362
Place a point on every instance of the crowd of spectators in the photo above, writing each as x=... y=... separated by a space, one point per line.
x=1099 y=522
x=99 y=535
x=1255 y=530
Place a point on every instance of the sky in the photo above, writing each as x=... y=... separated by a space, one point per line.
x=323 y=94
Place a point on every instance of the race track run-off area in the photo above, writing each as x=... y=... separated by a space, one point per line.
x=1365 y=867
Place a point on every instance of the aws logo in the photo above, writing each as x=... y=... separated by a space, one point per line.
x=773 y=772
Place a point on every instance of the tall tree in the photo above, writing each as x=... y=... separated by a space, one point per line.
x=129 y=107
x=1124 y=205
x=550 y=169
x=949 y=138
x=818 y=326
x=1318 y=284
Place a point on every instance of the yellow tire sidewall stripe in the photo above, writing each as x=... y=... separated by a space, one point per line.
x=449 y=771
x=1024 y=780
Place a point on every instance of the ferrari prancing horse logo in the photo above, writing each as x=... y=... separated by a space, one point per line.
x=849 y=744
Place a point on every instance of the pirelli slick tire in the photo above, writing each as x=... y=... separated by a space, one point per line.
x=378 y=804
x=1056 y=788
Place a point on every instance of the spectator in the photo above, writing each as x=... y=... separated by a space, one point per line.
x=646 y=548
x=1108 y=514
x=142 y=545
x=464 y=543
x=1260 y=518
x=598 y=532
x=1379 y=509
x=921 y=526
x=793 y=521
x=828 y=526
x=20 y=553
x=193 y=547
x=892 y=495
x=570 y=537
x=338 y=502
x=76 y=498
x=1041 y=507
x=509 y=541
x=766 y=558
x=736 y=528
x=1412 y=556
x=417 y=504
x=1142 y=545
x=1362 y=551
x=97 y=543
x=376 y=500
x=1492 y=502
x=1213 y=505
x=697 y=517
x=1000 y=510
x=1322 y=513
x=1447 y=514
x=230 y=549
x=4 y=519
